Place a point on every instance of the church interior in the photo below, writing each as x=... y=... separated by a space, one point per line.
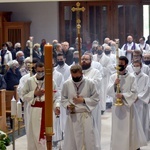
x=20 y=19
x=111 y=18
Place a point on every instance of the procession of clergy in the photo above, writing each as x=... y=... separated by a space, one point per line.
x=82 y=90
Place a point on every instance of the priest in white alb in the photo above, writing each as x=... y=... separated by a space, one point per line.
x=105 y=61
x=96 y=77
x=34 y=93
x=142 y=82
x=127 y=131
x=22 y=82
x=79 y=98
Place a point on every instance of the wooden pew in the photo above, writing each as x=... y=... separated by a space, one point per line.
x=3 y=125
x=9 y=95
x=5 y=108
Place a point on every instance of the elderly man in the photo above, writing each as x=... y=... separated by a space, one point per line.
x=37 y=51
x=106 y=42
x=67 y=53
x=20 y=58
x=129 y=47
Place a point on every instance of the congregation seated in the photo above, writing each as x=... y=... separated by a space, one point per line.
x=13 y=75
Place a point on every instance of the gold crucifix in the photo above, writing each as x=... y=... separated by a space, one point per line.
x=78 y=9
x=78 y=21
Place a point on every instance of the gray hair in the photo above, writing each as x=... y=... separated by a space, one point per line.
x=89 y=54
x=17 y=45
x=71 y=49
x=13 y=63
x=19 y=52
x=27 y=60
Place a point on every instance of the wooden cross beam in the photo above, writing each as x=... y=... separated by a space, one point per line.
x=78 y=21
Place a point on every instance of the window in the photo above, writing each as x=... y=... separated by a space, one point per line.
x=146 y=20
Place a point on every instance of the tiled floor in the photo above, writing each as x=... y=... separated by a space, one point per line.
x=105 y=137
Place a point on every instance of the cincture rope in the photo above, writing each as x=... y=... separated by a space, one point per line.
x=84 y=115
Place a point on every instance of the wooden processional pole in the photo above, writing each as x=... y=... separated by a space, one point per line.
x=31 y=53
x=48 y=51
x=78 y=22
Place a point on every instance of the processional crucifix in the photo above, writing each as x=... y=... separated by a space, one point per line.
x=78 y=22
x=49 y=82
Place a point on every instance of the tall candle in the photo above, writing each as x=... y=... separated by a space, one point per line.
x=13 y=107
x=19 y=109
x=48 y=49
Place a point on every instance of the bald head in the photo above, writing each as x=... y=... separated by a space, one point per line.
x=65 y=46
x=146 y=58
x=106 y=40
x=129 y=39
x=107 y=50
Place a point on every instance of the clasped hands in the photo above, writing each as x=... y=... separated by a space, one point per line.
x=129 y=51
x=76 y=100
x=39 y=92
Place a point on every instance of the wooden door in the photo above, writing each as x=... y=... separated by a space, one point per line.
x=17 y=32
x=4 y=17
x=127 y=20
x=102 y=19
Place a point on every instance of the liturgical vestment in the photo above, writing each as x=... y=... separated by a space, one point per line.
x=34 y=141
x=80 y=127
x=127 y=131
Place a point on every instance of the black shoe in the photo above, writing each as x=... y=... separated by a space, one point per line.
x=108 y=105
x=138 y=149
x=102 y=112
